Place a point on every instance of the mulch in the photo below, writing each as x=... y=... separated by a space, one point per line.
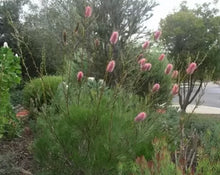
x=16 y=155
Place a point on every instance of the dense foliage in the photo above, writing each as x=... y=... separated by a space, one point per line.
x=10 y=72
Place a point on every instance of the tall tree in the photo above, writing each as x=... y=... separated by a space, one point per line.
x=9 y=10
x=125 y=16
x=192 y=35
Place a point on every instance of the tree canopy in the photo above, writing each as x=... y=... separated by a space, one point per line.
x=44 y=27
x=9 y=10
x=193 y=34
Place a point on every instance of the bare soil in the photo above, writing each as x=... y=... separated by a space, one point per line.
x=15 y=155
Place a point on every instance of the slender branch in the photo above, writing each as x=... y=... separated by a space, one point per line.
x=197 y=91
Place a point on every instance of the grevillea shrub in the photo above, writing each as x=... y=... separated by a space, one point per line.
x=10 y=72
x=92 y=136
x=40 y=91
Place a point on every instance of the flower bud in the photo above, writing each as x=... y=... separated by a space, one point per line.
x=114 y=38
x=146 y=45
x=79 y=76
x=157 y=35
x=97 y=42
x=175 y=89
x=191 y=68
x=175 y=74
x=168 y=69
x=161 y=57
x=88 y=11
x=156 y=87
x=146 y=67
x=142 y=61
x=110 y=67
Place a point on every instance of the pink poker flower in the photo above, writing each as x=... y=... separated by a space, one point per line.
x=146 y=67
x=142 y=61
x=146 y=45
x=114 y=38
x=191 y=68
x=110 y=67
x=140 y=117
x=175 y=89
x=88 y=11
x=79 y=76
x=161 y=57
x=168 y=69
x=157 y=35
x=156 y=87
x=175 y=74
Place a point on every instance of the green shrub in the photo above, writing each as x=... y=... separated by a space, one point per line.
x=88 y=139
x=40 y=91
x=10 y=71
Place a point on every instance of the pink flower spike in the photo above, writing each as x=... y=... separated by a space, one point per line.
x=88 y=11
x=114 y=38
x=79 y=76
x=146 y=45
x=161 y=57
x=175 y=74
x=175 y=89
x=156 y=87
x=140 y=117
x=142 y=61
x=168 y=69
x=146 y=67
x=191 y=68
x=157 y=35
x=110 y=67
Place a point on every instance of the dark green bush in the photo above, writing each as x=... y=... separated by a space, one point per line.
x=142 y=82
x=208 y=128
x=40 y=91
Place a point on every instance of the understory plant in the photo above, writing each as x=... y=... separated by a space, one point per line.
x=40 y=91
x=162 y=163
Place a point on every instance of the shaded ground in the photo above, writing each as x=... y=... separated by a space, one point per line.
x=15 y=155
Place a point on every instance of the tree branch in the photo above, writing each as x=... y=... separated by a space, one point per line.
x=197 y=91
